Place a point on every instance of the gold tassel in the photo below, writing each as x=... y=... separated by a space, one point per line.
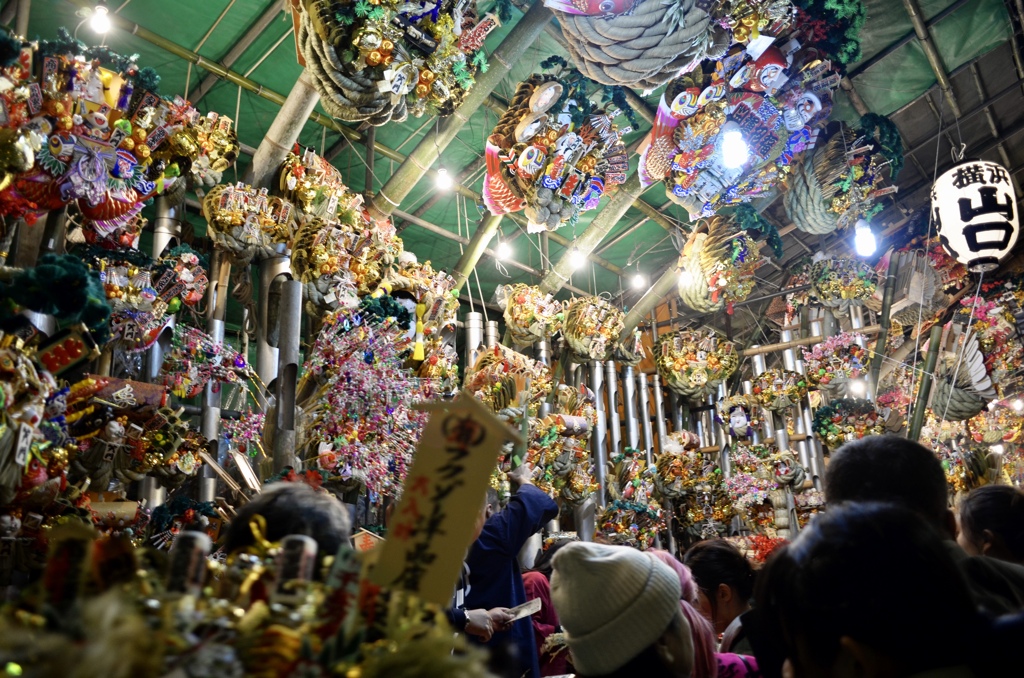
x=417 y=351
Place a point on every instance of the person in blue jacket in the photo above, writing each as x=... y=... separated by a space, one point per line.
x=493 y=561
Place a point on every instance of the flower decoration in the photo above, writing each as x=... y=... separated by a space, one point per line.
x=847 y=419
x=831 y=363
x=592 y=327
x=553 y=152
x=530 y=314
x=694 y=363
x=778 y=389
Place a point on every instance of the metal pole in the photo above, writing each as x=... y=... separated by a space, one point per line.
x=54 y=231
x=491 y=334
x=677 y=411
x=724 y=463
x=270 y=269
x=543 y=355
x=629 y=399
x=748 y=389
x=598 y=452
x=645 y=418
x=151 y=492
x=289 y=330
x=659 y=410
x=586 y=519
x=612 y=385
x=926 y=383
x=167 y=223
x=759 y=367
x=474 y=326
x=216 y=304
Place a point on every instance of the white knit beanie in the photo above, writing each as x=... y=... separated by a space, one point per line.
x=612 y=601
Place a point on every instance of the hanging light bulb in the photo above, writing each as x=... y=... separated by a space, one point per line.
x=503 y=251
x=576 y=258
x=1018 y=405
x=864 y=239
x=735 y=152
x=685 y=277
x=99 y=20
x=998 y=449
x=443 y=180
x=639 y=282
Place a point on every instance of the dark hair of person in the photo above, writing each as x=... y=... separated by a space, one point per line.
x=292 y=508
x=716 y=561
x=844 y=576
x=889 y=469
x=999 y=509
x=647 y=664
x=544 y=562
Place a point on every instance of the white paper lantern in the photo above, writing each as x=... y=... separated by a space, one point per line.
x=975 y=211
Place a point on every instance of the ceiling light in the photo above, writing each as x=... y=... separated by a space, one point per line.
x=503 y=251
x=864 y=239
x=998 y=449
x=99 y=20
x=639 y=282
x=1018 y=405
x=576 y=258
x=735 y=152
x=443 y=180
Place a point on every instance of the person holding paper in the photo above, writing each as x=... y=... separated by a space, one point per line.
x=495 y=575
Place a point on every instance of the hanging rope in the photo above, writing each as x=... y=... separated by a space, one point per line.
x=646 y=48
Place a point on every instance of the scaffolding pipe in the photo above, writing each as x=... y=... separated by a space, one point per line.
x=614 y=427
x=54 y=231
x=542 y=354
x=289 y=330
x=428 y=150
x=748 y=390
x=238 y=49
x=677 y=410
x=924 y=391
x=21 y=19
x=151 y=493
x=599 y=453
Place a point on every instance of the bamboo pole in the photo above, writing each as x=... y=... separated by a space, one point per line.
x=283 y=133
x=602 y=224
x=926 y=383
x=475 y=250
x=883 y=335
x=511 y=49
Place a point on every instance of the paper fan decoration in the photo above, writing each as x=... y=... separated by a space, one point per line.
x=962 y=385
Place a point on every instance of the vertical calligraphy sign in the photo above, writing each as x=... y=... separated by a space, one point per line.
x=442 y=497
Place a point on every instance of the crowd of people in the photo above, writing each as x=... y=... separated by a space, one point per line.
x=892 y=580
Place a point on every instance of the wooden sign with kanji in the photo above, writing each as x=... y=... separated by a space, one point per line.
x=442 y=497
